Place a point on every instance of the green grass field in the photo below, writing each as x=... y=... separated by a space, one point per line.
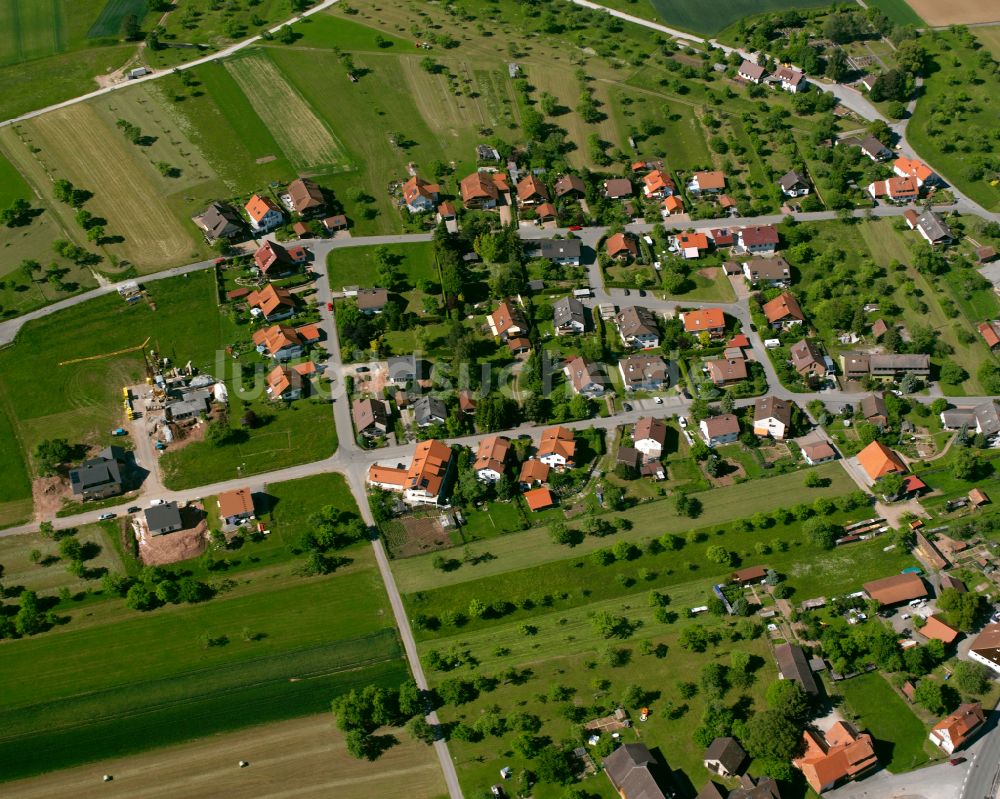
x=328 y=31
x=898 y=11
x=15 y=486
x=900 y=737
x=18 y=569
x=355 y=266
x=990 y=38
x=12 y=185
x=109 y=22
x=714 y=16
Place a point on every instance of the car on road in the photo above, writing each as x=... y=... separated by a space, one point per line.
x=575 y=227
x=134 y=509
x=362 y=369
x=626 y=406
x=627 y=292
x=329 y=306
x=658 y=400
x=642 y=293
x=154 y=502
x=682 y=422
x=955 y=761
x=105 y=516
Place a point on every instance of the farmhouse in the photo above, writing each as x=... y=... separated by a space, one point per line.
x=893 y=367
x=372 y=301
x=986 y=648
x=219 y=221
x=807 y=359
x=236 y=506
x=263 y=213
x=768 y=271
x=630 y=768
x=570 y=186
x=649 y=437
x=896 y=589
x=954 y=731
x=507 y=320
x=425 y=481
x=758 y=239
x=793 y=665
x=783 y=312
x=557 y=447
x=711 y=182
x=306 y=197
x=531 y=191
x=164 y=518
x=99 y=477
x=568 y=316
x=637 y=327
x=621 y=247
x=725 y=757
x=711 y=320
x=585 y=377
x=560 y=251
x=721 y=429
x=419 y=195
x=371 y=417
x=491 y=458
x=772 y=417
x=727 y=371
x=933 y=229
x=274 y=260
x=855 y=365
x=751 y=72
x=794 y=184
x=533 y=473
x=272 y=303
x=644 y=373
x=842 y=754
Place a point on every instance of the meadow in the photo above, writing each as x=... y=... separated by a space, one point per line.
x=47 y=579
x=989 y=36
x=898 y=11
x=703 y=18
x=355 y=266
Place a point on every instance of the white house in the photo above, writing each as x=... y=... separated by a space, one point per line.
x=424 y=482
x=986 y=648
x=491 y=458
x=952 y=732
x=772 y=417
x=264 y=215
x=557 y=448
x=722 y=429
x=751 y=73
x=791 y=80
x=649 y=436
x=569 y=317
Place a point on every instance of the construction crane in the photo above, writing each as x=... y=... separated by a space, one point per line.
x=106 y=354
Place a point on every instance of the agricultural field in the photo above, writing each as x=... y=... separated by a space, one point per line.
x=898 y=11
x=954 y=12
x=990 y=38
x=15 y=484
x=305 y=755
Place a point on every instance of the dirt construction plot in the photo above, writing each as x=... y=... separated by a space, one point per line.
x=955 y=12
x=422 y=535
x=303 y=758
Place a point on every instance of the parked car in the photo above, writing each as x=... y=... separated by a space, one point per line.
x=658 y=400
x=362 y=369
x=134 y=509
x=957 y=761
x=626 y=406
x=682 y=422
x=329 y=306
x=154 y=502
x=105 y=516
x=575 y=227
x=642 y=293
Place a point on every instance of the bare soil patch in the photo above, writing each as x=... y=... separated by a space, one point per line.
x=955 y=12
x=48 y=494
x=423 y=534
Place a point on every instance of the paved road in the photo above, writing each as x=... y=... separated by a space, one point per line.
x=982 y=779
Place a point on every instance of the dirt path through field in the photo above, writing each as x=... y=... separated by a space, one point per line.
x=300 y=759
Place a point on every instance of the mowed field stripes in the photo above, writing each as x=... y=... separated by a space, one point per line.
x=304 y=138
x=30 y=29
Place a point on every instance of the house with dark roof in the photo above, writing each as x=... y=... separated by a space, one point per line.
x=219 y=221
x=758 y=239
x=618 y=188
x=570 y=186
x=793 y=665
x=632 y=770
x=372 y=301
x=772 y=417
x=873 y=409
x=768 y=271
x=306 y=197
x=725 y=757
x=650 y=436
x=726 y=371
x=428 y=410
x=164 y=518
x=873 y=149
x=807 y=360
x=637 y=327
x=585 y=377
x=371 y=417
x=789 y=79
x=818 y=452
x=99 y=477
x=751 y=72
x=719 y=430
x=569 y=316
x=560 y=251
x=984 y=419
x=986 y=648
x=644 y=373
x=893 y=366
x=933 y=229
x=794 y=184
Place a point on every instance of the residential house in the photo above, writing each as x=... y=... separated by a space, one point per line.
x=673 y=205
x=618 y=188
x=768 y=271
x=335 y=223
x=986 y=648
x=630 y=457
x=621 y=247
x=712 y=320
x=793 y=665
x=897 y=589
x=631 y=769
x=711 y=182
x=419 y=195
x=466 y=402
x=772 y=417
x=402 y=369
x=807 y=360
x=507 y=320
x=372 y=301
x=531 y=191
x=983 y=419
x=657 y=185
x=874 y=149
x=933 y=229
x=284 y=383
x=585 y=377
x=649 y=437
x=533 y=473
x=560 y=251
x=751 y=72
x=557 y=448
x=219 y=221
x=569 y=316
x=691 y=245
x=275 y=260
x=486 y=153
x=855 y=365
x=425 y=481
x=99 y=477
x=954 y=731
x=164 y=518
x=235 y=507
x=637 y=327
x=428 y=410
x=281 y=342
x=722 y=237
x=718 y=430
x=644 y=373
x=894 y=366
x=878 y=460
x=492 y=458
x=264 y=214
x=519 y=345
x=783 y=312
x=986 y=255
x=725 y=757
x=873 y=409
x=371 y=417
x=896 y=189
x=794 y=184
x=761 y=788
x=749 y=576
x=446 y=212
x=937 y=630
x=842 y=754
x=990 y=331
x=790 y=79
x=758 y=239
x=727 y=371
x=546 y=212
x=539 y=499
x=482 y=190
x=570 y=186
x=916 y=169
x=818 y=452
x=306 y=197
x=272 y=303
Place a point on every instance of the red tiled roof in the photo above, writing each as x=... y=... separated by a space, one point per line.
x=539 y=498
x=704 y=319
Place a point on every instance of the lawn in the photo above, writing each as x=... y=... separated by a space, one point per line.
x=139 y=681
x=12 y=185
x=356 y=266
x=530 y=549
x=900 y=737
x=328 y=31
